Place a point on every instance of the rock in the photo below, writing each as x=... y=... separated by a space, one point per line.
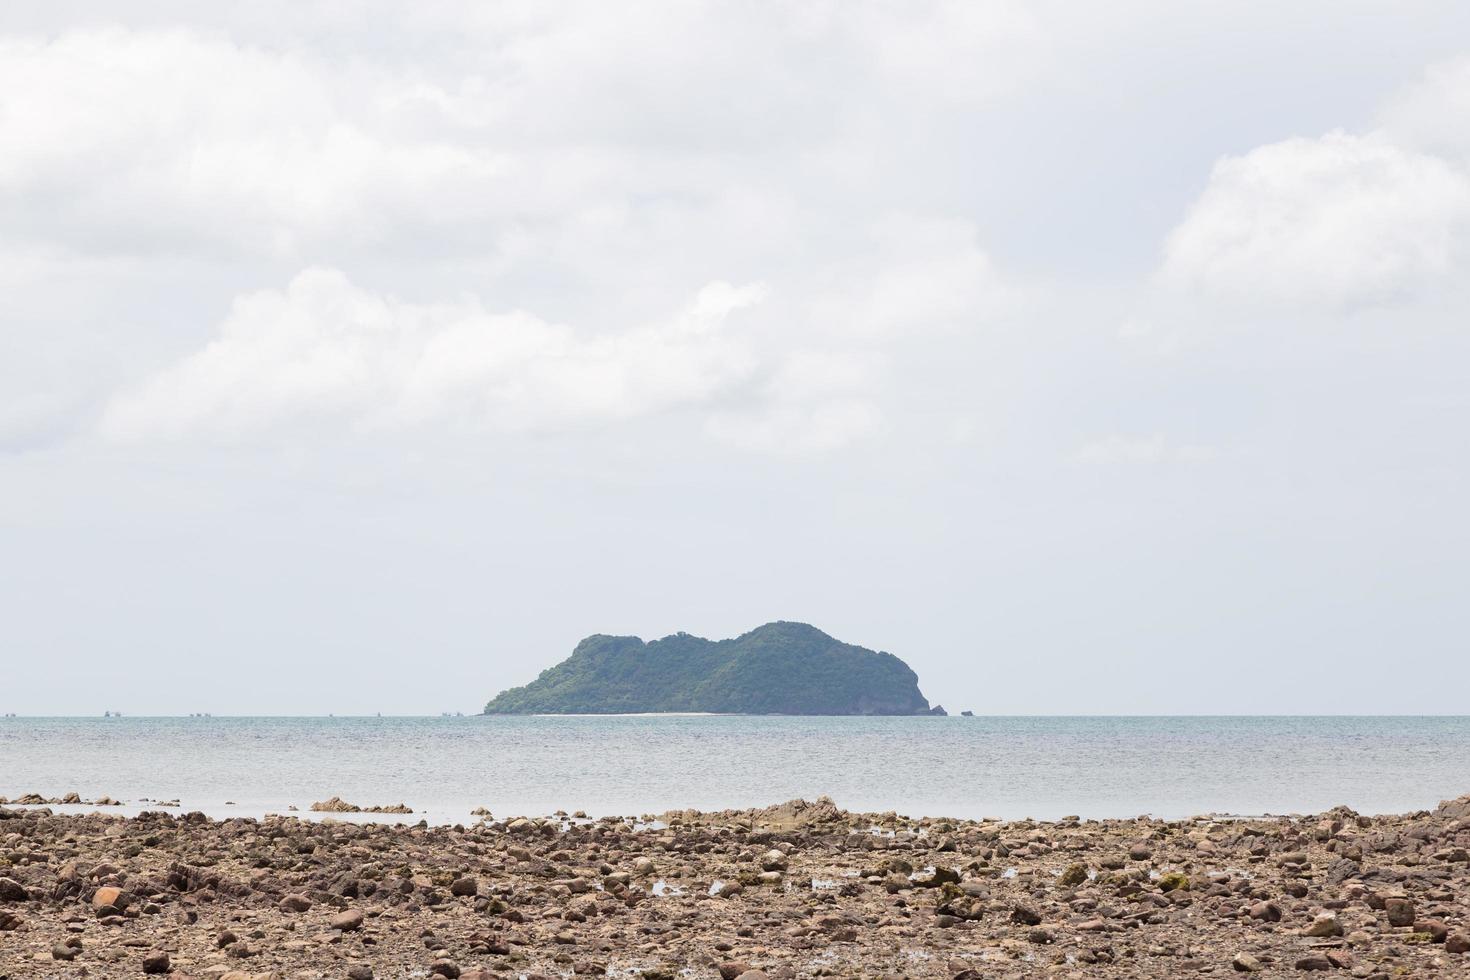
x=1139 y=852
x=773 y=860
x=1457 y=942
x=359 y=971
x=1173 y=881
x=1315 y=961
x=63 y=952
x=464 y=887
x=1246 y=963
x=295 y=902
x=643 y=867
x=1075 y=875
x=156 y=962
x=444 y=968
x=1323 y=926
x=110 y=897
x=347 y=921
x=937 y=878
x=1266 y=912
x=752 y=975
x=1437 y=931
x=1025 y=915
x=13 y=891
x=732 y=969
x=1400 y=911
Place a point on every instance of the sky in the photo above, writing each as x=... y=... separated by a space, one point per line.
x=1092 y=358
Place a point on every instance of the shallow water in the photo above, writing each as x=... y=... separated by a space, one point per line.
x=967 y=767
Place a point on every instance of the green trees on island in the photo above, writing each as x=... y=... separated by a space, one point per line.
x=779 y=668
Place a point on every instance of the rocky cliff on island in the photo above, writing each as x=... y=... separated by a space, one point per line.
x=779 y=668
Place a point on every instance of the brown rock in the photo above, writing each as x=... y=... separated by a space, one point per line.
x=109 y=896
x=1246 y=963
x=1324 y=926
x=1025 y=915
x=295 y=902
x=1266 y=912
x=1400 y=911
x=348 y=921
x=156 y=962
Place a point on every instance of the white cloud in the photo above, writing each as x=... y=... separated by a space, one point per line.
x=1341 y=221
x=815 y=401
x=325 y=350
x=1337 y=222
x=1433 y=114
x=912 y=274
x=1118 y=449
x=137 y=140
x=164 y=139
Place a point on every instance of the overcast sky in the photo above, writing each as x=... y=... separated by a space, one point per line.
x=1093 y=358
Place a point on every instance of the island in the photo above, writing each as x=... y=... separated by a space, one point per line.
x=777 y=669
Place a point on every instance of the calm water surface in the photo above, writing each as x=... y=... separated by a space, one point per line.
x=968 y=767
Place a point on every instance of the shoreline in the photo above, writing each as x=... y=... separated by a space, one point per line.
x=792 y=890
x=438 y=814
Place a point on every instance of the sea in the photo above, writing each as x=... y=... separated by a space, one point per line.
x=1003 y=767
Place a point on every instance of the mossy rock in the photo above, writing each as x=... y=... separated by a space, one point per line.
x=949 y=891
x=1075 y=875
x=1173 y=881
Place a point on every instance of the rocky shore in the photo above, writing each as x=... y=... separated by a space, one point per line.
x=796 y=890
